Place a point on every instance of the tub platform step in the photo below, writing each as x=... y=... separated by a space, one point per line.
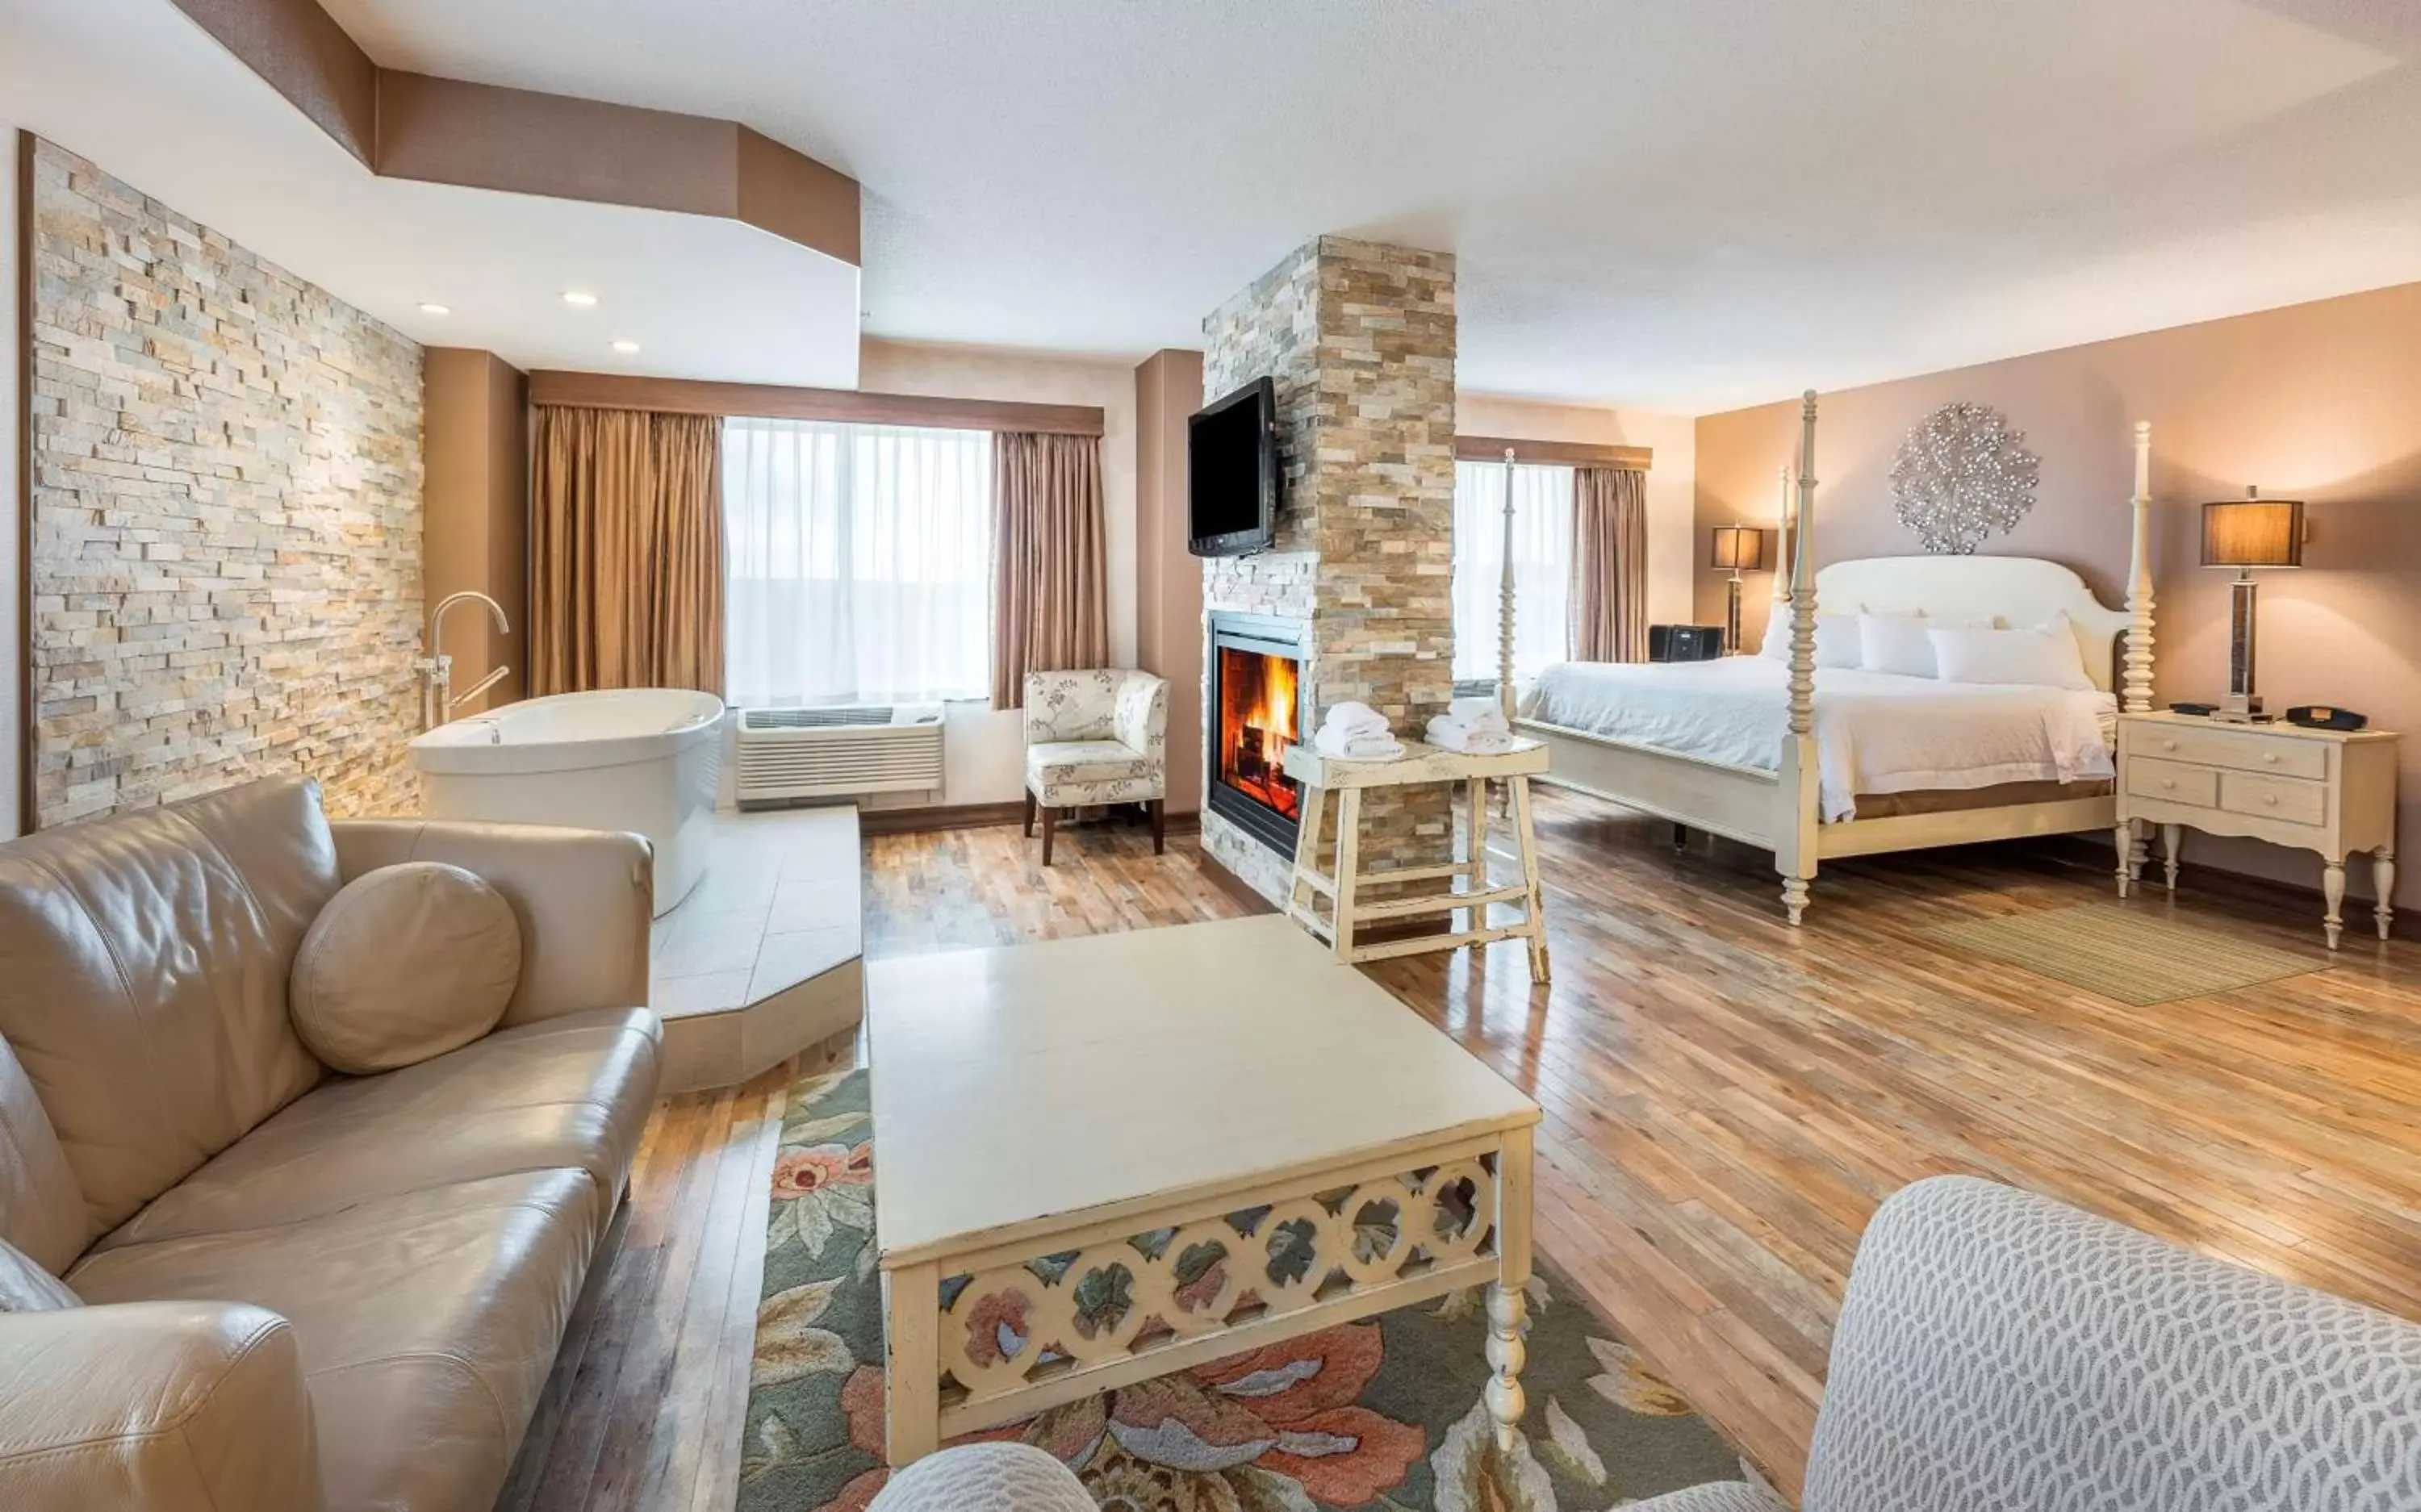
x=761 y=961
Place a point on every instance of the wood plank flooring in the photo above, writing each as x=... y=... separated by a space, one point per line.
x=1726 y=1099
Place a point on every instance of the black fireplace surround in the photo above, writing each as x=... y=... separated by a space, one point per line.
x=1259 y=703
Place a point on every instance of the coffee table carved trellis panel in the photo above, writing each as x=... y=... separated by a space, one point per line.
x=1111 y=1157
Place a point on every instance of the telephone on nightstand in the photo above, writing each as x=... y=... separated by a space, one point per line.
x=2326 y=717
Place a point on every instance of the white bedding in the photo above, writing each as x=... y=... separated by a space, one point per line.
x=1876 y=732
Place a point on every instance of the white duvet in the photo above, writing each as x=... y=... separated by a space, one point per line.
x=1876 y=732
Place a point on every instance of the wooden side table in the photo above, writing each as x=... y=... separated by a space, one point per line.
x=1422 y=764
x=2330 y=792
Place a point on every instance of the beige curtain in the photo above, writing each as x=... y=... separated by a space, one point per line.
x=1609 y=565
x=625 y=551
x=1050 y=601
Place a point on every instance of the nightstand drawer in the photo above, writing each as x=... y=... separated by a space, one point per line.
x=2276 y=798
x=2244 y=750
x=2172 y=781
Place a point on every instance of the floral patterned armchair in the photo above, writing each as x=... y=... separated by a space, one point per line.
x=1092 y=737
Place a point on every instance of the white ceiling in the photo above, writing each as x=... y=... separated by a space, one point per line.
x=1685 y=204
x=142 y=91
x=1679 y=204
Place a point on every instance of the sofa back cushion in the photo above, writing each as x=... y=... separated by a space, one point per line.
x=143 y=967
x=41 y=1207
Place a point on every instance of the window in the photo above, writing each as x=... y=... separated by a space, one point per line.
x=1542 y=551
x=859 y=562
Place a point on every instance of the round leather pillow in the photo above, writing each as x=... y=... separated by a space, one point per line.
x=405 y=962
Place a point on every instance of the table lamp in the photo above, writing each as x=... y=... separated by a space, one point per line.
x=2245 y=534
x=1738 y=549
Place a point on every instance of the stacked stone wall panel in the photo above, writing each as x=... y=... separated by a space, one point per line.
x=226 y=560
x=1360 y=338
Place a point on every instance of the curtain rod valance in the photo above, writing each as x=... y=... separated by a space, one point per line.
x=1561 y=453
x=776 y=402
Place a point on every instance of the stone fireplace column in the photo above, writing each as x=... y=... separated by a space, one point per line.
x=1360 y=337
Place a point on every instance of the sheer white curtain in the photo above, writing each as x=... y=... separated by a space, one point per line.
x=1542 y=551
x=858 y=560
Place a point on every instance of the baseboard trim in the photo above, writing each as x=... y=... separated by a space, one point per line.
x=943 y=816
x=978 y=816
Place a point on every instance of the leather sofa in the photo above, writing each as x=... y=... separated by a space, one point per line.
x=299 y=1291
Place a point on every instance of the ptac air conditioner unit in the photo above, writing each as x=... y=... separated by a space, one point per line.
x=838 y=750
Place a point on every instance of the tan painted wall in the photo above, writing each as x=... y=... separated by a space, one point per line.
x=1168 y=578
x=2321 y=401
x=475 y=528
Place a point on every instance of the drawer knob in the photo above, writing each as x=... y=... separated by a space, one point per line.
x=2168 y=782
x=2271 y=798
x=2168 y=745
x=2271 y=758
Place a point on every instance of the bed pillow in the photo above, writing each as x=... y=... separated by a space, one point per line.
x=1836 y=639
x=2043 y=657
x=1896 y=643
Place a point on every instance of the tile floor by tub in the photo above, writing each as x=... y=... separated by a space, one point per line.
x=778 y=905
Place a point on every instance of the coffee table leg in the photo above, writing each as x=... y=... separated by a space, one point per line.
x=1509 y=1299
x=912 y=1405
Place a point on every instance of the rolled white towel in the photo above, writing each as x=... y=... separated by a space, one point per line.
x=1478 y=713
x=1335 y=743
x=1355 y=718
x=1453 y=734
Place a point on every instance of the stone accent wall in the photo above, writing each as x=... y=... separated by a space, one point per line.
x=1360 y=337
x=227 y=516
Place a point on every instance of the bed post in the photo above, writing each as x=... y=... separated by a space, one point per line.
x=2137 y=687
x=1504 y=603
x=1798 y=779
x=2135 y=680
x=1777 y=621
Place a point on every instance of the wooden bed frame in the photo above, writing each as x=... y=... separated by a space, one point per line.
x=1778 y=810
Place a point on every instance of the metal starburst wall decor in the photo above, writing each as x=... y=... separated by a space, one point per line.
x=1962 y=475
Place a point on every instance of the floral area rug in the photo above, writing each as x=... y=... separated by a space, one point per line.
x=1378 y=1416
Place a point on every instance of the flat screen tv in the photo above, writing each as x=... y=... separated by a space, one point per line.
x=1232 y=473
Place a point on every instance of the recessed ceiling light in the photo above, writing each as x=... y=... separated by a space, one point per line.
x=579 y=299
x=429 y=306
x=626 y=347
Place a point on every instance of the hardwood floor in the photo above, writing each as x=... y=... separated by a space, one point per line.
x=1726 y=1099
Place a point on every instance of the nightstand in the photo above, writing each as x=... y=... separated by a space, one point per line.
x=2332 y=791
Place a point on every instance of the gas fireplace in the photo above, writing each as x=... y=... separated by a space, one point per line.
x=1257 y=693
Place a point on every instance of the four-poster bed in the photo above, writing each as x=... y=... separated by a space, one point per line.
x=1783 y=807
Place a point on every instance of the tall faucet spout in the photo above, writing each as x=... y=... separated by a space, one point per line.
x=436 y=669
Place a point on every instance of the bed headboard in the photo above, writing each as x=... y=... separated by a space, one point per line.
x=2018 y=592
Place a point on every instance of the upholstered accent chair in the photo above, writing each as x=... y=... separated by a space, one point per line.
x=2000 y=1350
x=1096 y=737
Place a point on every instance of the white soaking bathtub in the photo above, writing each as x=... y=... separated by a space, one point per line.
x=641 y=759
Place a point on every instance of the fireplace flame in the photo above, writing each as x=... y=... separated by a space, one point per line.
x=1259 y=719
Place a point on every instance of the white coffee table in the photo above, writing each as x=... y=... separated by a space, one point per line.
x=1139 y=1099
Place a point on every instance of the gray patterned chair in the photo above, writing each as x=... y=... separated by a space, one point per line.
x=2002 y=1352
x=1096 y=737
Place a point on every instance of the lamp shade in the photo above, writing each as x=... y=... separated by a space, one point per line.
x=1738 y=549
x=2253 y=532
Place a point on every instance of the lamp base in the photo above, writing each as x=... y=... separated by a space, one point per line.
x=2241 y=706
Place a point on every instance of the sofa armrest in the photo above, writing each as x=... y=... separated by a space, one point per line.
x=583 y=897
x=163 y=1407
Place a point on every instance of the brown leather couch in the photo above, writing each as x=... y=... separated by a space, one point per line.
x=300 y=1290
